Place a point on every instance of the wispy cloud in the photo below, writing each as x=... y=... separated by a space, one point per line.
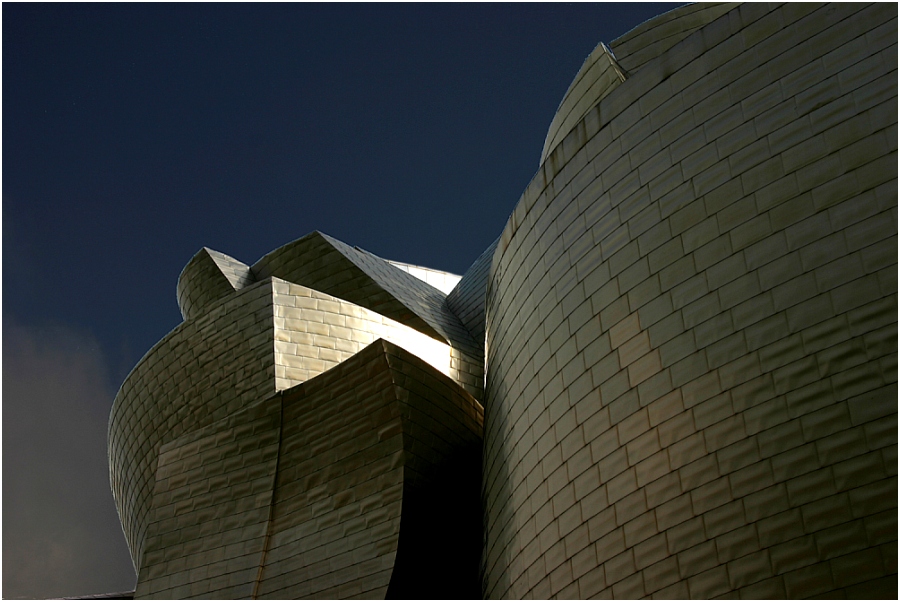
x=61 y=535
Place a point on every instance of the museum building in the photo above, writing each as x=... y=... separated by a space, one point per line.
x=673 y=375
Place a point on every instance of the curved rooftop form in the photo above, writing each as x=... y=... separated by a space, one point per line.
x=652 y=38
x=209 y=277
x=325 y=264
x=328 y=265
x=608 y=66
x=598 y=76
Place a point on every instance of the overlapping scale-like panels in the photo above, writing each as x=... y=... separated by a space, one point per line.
x=206 y=369
x=195 y=481
x=321 y=491
x=404 y=444
x=691 y=324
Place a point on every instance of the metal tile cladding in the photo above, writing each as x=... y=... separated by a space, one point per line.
x=673 y=375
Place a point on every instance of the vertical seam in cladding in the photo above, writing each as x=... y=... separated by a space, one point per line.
x=269 y=520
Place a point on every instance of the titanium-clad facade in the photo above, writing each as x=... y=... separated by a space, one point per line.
x=673 y=375
x=691 y=319
x=266 y=446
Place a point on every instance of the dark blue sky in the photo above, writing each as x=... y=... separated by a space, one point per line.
x=133 y=135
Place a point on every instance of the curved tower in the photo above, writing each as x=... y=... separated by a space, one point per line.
x=691 y=318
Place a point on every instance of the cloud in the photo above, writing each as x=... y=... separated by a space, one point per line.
x=61 y=534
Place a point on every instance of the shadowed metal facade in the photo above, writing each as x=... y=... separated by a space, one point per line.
x=266 y=446
x=684 y=342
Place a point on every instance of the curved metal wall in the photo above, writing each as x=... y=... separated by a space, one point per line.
x=691 y=326
x=205 y=369
x=324 y=490
x=599 y=75
x=268 y=336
